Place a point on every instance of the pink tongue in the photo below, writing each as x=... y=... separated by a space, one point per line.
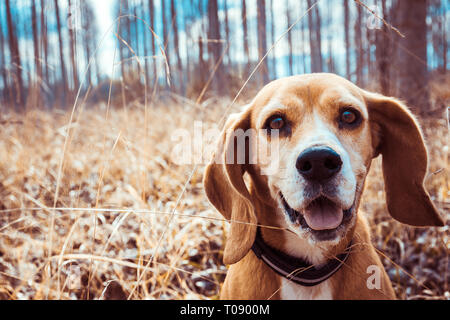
x=323 y=215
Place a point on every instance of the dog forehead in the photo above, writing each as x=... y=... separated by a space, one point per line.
x=306 y=92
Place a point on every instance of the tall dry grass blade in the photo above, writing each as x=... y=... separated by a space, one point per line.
x=65 y=146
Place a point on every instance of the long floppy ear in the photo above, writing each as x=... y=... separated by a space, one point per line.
x=226 y=189
x=397 y=136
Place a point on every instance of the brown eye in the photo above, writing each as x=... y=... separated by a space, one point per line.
x=276 y=123
x=349 y=116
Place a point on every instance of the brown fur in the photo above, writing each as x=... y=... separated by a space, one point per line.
x=388 y=129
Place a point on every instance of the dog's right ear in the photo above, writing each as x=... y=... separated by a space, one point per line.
x=397 y=136
x=226 y=189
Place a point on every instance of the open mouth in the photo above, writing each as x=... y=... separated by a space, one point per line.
x=322 y=217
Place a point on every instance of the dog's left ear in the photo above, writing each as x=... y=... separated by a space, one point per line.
x=397 y=136
x=226 y=189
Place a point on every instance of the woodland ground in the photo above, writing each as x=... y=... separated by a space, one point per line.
x=118 y=160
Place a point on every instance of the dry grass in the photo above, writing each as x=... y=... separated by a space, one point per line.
x=127 y=184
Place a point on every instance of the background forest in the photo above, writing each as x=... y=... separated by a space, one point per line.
x=93 y=206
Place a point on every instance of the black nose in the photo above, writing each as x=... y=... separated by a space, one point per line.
x=318 y=163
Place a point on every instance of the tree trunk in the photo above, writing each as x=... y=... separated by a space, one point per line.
x=44 y=45
x=412 y=59
x=303 y=40
x=347 y=39
x=437 y=13
x=37 y=61
x=146 y=38
x=73 y=50
x=262 y=40
x=382 y=54
x=227 y=32
x=15 y=59
x=444 y=40
x=201 y=61
x=165 y=34
x=86 y=21
x=272 y=40
x=330 y=61
x=245 y=37
x=319 y=37
x=215 y=47
x=61 y=54
x=314 y=38
x=120 y=48
x=289 y=39
x=188 y=17
x=3 y=76
x=151 y=6
x=136 y=46
x=359 y=47
x=173 y=12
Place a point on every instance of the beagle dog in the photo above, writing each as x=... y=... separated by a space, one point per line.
x=295 y=231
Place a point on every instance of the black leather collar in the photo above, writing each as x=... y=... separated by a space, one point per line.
x=295 y=269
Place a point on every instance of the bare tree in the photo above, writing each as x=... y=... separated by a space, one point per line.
x=262 y=39
x=124 y=29
x=15 y=59
x=359 y=46
x=303 y=41
x=173 y=13
x=145 y=39
x=188 y=17
x=382 y=53
x=272 y=40
x=61 y=52
x=445 y=43
x=44 y=43
x=201 y=61
x=34 y=24
x=89 y=39
x=245 y=35
x=289 y=39
x=165 y=33
x=347 y=38
x=120 y=33
x=73 y=47
x=437 y=29
x=412 y=54
x=215 y=47
x=329 y=22
x=318 y=28
x=135 y=44
x=314 y=38
x=151 y=6
x=37 y=60
x=227 y=31
x=3 y=65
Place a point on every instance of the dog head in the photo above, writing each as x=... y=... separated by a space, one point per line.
x=326 y=131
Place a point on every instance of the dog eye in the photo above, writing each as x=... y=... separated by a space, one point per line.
x=276 y=123
x=349 y=116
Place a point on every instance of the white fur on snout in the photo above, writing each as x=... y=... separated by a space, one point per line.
x=344 y=183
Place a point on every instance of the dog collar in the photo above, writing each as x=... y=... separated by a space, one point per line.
x=295 y=269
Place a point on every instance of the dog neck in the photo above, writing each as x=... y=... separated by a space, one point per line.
x=295 y=269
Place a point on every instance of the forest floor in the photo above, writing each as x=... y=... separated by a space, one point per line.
x=130 y=223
